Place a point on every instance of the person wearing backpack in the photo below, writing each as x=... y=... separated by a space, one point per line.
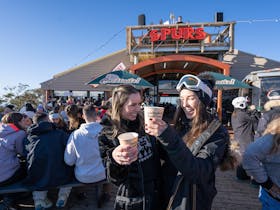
x=193 y=155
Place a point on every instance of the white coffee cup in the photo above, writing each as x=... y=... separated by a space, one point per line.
x=128 y=138
x=152 y=112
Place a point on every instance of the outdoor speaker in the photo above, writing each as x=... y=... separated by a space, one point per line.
x=219 y=17
x=141 y=20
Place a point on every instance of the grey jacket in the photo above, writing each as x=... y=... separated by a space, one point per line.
x=11 y=144
x=261 y=164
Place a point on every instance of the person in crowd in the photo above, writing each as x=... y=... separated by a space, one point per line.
x=261 y=160
x=179 y=20
x=105 y=105
x=98 y=101
x=272 y=109
x=12 y=133
x=70 y=100
x=45 y=146
x=243 y=129
x=27 y=108
x=28 y=113
x=192 y=118
x=82 y=149
x=28 y=120
x=40 y=108
x=134 y=169
x=58 y=121
x=74 y=116
x=9 y=108
x=63 y=113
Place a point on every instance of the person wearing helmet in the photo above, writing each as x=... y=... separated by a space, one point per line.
x=272 y=110
x=242 y=122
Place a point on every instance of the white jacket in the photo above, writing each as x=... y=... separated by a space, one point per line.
x=82 y=150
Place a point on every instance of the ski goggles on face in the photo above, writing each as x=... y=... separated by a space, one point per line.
x=193 y=83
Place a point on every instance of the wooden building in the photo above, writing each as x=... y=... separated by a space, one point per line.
x=162 y=54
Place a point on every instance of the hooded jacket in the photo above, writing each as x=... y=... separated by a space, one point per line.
x=199 y=170
x=82 y=150
x=11 y=144
x=45 y=147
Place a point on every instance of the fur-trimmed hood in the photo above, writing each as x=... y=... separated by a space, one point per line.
x=270 y=104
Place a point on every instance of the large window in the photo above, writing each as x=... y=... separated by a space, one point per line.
x=267 y=84
x=95 y=94
x=62 y=93
x=79 y=93
x=169 y=99
x=167 y=84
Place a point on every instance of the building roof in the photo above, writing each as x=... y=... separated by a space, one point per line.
x=77 y=77
x=241 y=63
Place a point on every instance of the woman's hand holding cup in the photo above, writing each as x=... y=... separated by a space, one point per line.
x=155 y=127
x=125 y=154
x=127 y=151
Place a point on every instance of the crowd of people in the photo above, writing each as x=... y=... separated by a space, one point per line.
x=172 y=166
x=45 y=148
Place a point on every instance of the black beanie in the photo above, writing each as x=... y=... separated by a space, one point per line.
x=208 y=80
x=10 y=106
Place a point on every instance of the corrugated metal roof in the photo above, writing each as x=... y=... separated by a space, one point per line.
x=76 y=78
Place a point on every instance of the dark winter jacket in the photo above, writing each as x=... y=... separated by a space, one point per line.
x=45 y=145
x=140 y=178
x=199 y=170
x=243 y=127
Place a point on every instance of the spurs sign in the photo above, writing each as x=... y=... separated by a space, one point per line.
x=186 y=33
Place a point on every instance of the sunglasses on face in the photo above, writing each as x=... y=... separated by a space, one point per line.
x=193 y=83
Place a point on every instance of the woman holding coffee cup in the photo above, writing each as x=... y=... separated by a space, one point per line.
x=129 y=154
x=195 y=170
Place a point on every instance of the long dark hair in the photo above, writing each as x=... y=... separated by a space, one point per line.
x=199 y=123
x=120 y=96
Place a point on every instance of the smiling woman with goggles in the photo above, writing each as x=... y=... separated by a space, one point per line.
x=193 y=83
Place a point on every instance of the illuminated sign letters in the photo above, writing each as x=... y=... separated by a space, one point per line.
x=186 y=33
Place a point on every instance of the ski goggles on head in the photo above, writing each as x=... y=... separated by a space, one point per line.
x=193 y=83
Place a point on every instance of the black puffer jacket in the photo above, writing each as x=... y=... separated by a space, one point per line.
x=140 y=178
x=45 y=145
x=199 y=170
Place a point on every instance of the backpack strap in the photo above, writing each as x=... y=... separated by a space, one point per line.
x=200 y=141
x=196 y=146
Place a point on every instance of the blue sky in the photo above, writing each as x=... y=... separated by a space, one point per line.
x=39 y=39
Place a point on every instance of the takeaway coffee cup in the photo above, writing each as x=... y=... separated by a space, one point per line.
x=152 y=112
x=129 y=138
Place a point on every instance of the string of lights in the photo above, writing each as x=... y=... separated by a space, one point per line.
x=259 y=20
x=116 y=34
x=100 y=47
